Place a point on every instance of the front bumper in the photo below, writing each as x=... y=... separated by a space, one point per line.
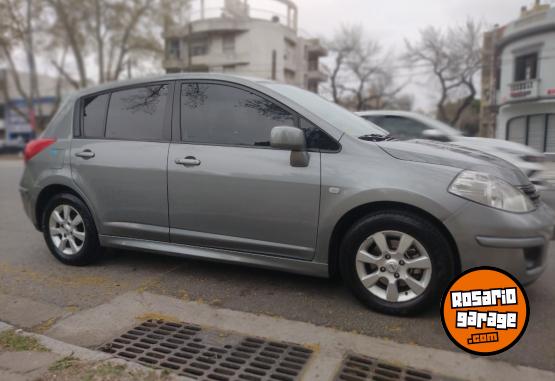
x=515 y=242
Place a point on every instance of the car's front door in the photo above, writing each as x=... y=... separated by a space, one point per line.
x=119 y=160
x=227 y=187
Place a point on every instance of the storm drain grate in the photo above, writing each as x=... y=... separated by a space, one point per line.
x=209 y=354
x=357 y=367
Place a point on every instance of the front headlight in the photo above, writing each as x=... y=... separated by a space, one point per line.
x=491 y=191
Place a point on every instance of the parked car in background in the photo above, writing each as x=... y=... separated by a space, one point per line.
x=405 y=125
x=12 y=146
x=265 y=174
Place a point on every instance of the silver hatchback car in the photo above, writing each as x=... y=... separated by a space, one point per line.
x=265 y=174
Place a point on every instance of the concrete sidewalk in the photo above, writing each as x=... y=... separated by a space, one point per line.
x=100 y=324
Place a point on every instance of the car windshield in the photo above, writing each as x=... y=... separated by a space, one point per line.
x=439 y=125
x=338 y=116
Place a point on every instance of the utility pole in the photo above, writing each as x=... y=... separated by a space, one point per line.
x=274 y=65
x=189 y=46
x=33 y=80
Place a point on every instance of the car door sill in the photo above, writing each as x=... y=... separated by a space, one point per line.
x=218 y=255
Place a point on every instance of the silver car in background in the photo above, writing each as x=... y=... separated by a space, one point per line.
x=265 y=174
x=406 y=125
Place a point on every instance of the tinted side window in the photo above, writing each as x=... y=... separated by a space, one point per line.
x=316 y=138
x=403 y=128
x=220 y=114
x=94 y=114
x=138 y=113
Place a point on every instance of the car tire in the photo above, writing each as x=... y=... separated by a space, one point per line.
x=407 y=282
x=69 y=230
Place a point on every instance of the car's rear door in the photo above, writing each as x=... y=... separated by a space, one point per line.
x=227 y=187
x=119 y=159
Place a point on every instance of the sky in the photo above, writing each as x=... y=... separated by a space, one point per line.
x=393 y=21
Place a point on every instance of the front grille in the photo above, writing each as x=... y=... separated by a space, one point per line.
x=209 y=354
x=530 y=191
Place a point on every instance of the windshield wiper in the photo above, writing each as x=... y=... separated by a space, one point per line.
x=376 y=137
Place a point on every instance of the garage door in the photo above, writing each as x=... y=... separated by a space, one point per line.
x=536 y=131
x=550 y=146
x=516 y=130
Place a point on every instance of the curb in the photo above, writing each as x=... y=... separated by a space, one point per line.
x=87 y=355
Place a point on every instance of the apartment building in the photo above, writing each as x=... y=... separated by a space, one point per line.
x=518 y=80
x=236 y=36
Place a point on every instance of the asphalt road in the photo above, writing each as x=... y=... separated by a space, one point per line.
x=27 y=269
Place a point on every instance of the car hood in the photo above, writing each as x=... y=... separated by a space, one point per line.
x=452 y=155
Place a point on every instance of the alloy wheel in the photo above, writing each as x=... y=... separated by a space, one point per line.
x=67 y=229
x=393 y=266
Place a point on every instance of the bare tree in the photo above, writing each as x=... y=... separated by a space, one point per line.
x=341 y=46
x=22 y=21
x=84 y=42
x=361 y=76
x=453 y=59
x=108 y=32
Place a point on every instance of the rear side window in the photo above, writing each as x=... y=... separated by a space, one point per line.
x=94 y=114
x=220 y=114
x=137 y=113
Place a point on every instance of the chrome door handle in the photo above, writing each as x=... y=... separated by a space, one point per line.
x=189 y=161
x=86 y=154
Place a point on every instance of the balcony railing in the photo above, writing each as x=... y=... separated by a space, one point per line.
x=524 y=89
x=280 y=11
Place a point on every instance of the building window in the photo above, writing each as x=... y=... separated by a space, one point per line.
x=289 y=76
x=228 y=43
x=536 y=131
x=199 y=48
x=312 y=86
x=313 y=65
x=173 y=48
x=526 y=67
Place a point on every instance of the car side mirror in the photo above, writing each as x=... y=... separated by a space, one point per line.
x=432 y=134
x=291 y=138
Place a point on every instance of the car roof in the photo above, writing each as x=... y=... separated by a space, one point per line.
x=171 y=77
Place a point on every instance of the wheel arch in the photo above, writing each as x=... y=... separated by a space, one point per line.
x=46 y=194
x=355 y=214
